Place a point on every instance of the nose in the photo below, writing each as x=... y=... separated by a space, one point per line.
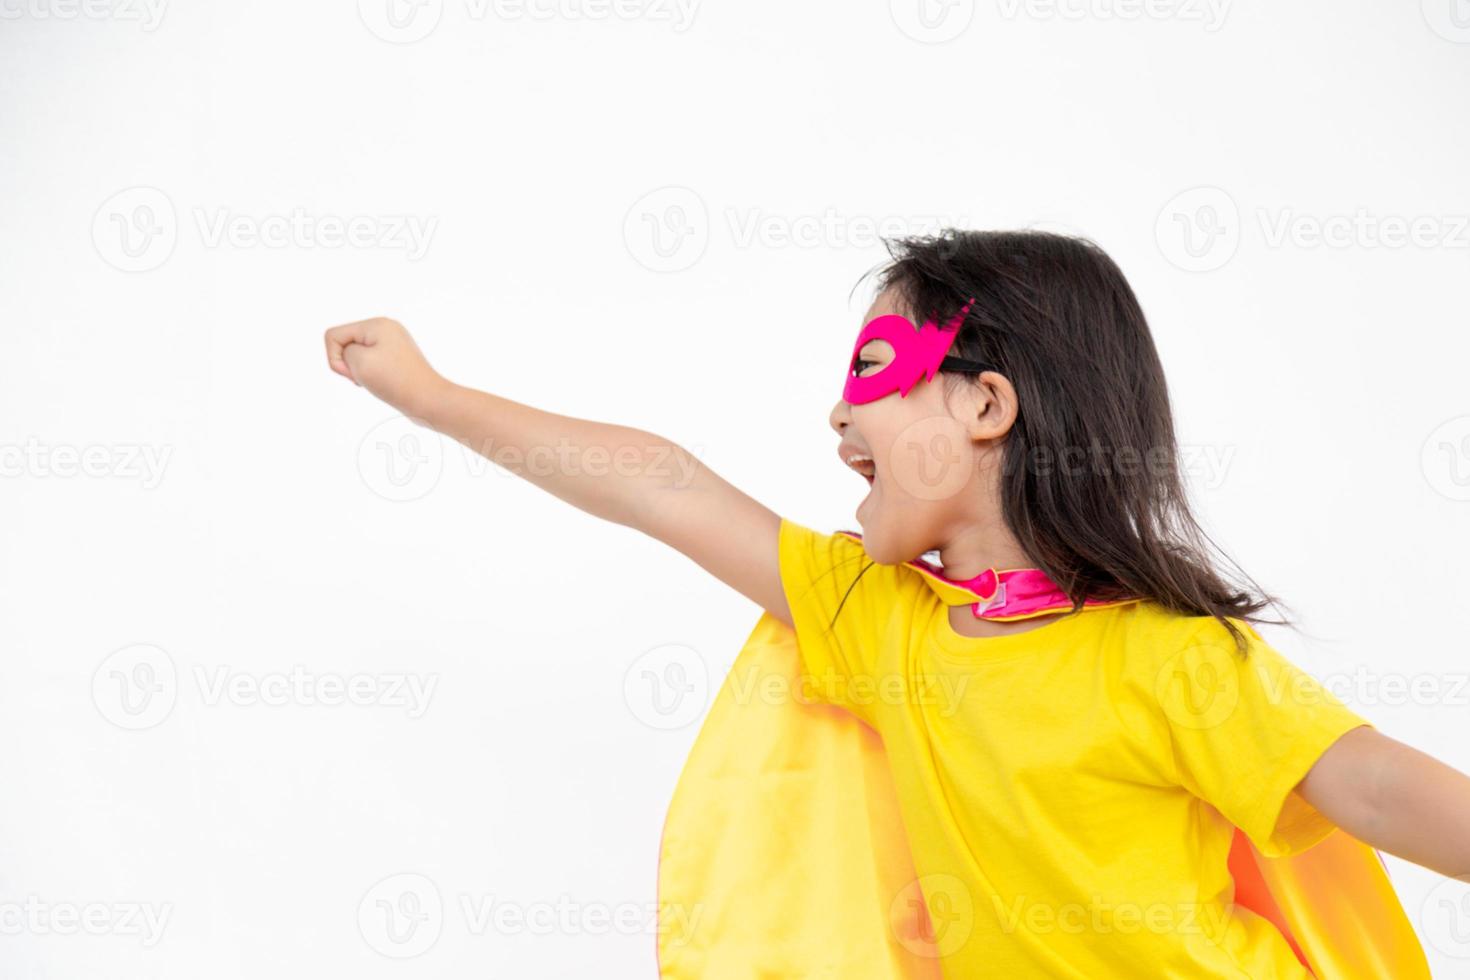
x=840 y=416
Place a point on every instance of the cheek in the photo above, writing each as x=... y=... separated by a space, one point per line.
x=886 y=428
x=877 y=426
x=924 y=454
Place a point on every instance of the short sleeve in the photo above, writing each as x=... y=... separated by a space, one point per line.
x=844 y=607
x=1245 y=730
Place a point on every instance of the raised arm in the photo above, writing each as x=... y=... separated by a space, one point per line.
x=620 y=474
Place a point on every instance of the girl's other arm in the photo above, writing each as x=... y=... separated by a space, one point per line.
x=620 y=474
x=1395 y=798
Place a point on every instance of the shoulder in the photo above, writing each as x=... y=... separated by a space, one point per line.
x=1184 y=663
x=1150 y=643
x=806 y=554
x=1150 y=626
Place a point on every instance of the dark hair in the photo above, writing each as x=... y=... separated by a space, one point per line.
x=1056 y=316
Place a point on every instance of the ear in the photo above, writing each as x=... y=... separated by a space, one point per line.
x=989 y=407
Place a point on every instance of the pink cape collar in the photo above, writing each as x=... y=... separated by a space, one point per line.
x=1003 y=595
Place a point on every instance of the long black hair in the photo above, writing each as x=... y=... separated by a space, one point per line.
x=1090 y=484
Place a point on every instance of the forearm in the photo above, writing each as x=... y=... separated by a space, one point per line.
x=610 y=471
x=1395 y=798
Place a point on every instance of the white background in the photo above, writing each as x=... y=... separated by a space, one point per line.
x=1320 y=388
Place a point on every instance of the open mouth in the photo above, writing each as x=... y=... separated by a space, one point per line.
x=864 y=467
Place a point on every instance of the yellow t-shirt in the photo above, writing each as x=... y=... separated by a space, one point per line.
x=1069 y=791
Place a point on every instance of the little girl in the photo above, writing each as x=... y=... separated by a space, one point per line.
x=1106 y=715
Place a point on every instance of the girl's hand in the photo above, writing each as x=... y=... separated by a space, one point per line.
x=379 y=355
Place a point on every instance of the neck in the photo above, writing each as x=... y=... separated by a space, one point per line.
x=970 y=550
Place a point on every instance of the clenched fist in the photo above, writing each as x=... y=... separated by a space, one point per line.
x=379 y=355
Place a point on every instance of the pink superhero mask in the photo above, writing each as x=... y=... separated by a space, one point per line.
x=916 y=353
